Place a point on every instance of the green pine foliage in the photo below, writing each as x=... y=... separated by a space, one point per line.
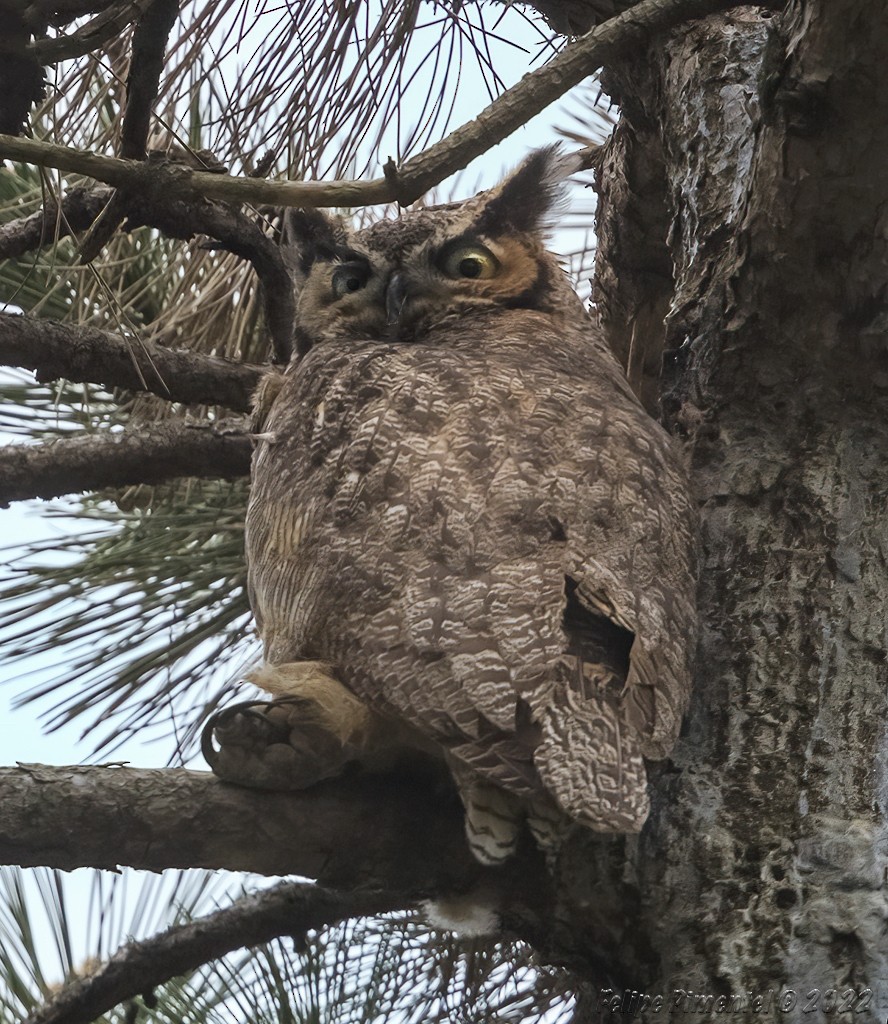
x=135 y=606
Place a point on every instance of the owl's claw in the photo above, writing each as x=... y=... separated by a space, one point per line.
x=270 y=745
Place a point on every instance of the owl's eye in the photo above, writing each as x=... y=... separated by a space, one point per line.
x=350 y=277
x=469 y=261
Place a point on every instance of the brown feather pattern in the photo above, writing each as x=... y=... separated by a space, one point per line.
x=483 y=534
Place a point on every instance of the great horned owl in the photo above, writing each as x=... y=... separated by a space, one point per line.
x=465 y=534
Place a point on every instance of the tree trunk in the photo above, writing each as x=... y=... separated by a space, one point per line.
x=762 y=872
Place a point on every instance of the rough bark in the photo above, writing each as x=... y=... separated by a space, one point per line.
x=56 y=350
x=146 y=66
x=76 y=212
x=633 y=283
x=146 y=455
x=21 y=76
x=402 y=832
x=110 y=21
x=153 y=819
x=763 y=868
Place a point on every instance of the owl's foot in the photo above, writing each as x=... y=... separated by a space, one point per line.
x=271 y=745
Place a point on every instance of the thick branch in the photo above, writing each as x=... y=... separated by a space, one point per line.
x=401 y=832
x=508 y=112
x=108 y=24
x=146 y=66
x=79 y=209
x=288 y=909
x=86 y=354
x=152 y=205
x=362 y=830
x=154 y=453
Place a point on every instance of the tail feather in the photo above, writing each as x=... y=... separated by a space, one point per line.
x=591 y=763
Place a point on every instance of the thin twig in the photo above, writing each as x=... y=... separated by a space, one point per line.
x=149 y=455
x=57 y=350
x=626 y=32
x=291 y=908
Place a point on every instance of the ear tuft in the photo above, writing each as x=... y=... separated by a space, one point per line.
x=311 y=235
x=525 y=199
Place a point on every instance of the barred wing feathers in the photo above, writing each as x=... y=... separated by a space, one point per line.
x=494 y=549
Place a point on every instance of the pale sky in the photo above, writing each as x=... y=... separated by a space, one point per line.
x=21 y=735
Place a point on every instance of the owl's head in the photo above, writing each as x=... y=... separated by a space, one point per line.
x=396 y=280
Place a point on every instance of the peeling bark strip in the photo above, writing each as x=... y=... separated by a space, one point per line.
x=626 y=32
x=55 y=350
x=135 y=969
x=146 y=455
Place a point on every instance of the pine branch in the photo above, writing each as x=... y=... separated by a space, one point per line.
x=146 y=66
x=292 y=908
x=237 y=233
x=402 y=832
x=78 y=210
x=384 y=841
x=148 y=455
x=39 y=13
x=184 y=183
x=109 y=23
x=57 y=350
x=152 y=205
x=627 y=32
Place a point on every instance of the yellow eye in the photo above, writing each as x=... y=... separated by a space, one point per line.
x=474 y=262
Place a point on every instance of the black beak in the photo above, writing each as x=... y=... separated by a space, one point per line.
x=395 y=296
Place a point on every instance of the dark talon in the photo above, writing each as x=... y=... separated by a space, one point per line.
x=222 y=717
x=249 y=745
